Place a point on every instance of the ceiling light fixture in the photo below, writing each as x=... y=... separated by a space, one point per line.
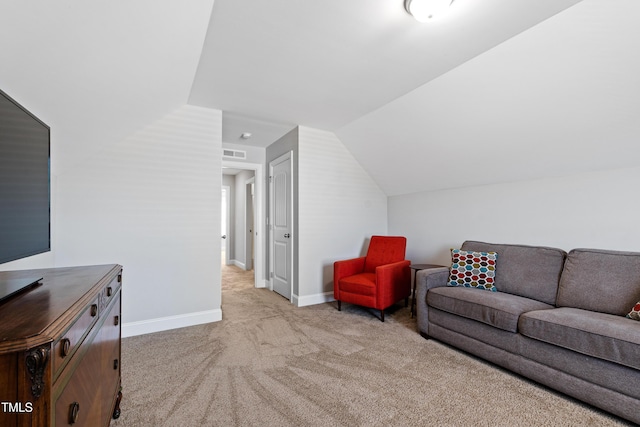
x=246 y=135
x=426 y=10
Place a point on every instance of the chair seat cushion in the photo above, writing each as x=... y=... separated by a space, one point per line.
x=601 y=335
x=361 y=284
x=497 y=309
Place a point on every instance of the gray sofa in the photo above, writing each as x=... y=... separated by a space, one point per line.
x=557 y=318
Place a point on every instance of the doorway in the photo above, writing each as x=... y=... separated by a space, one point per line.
x=253 y=219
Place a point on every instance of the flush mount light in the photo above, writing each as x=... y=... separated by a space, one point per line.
x=426 y=10
x=245 y=135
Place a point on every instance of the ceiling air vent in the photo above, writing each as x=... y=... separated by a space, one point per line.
x=235 y=154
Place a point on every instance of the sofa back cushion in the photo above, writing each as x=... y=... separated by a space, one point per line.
x=527 y=271
x=600 y=280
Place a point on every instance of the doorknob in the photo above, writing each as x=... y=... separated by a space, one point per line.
x=287 y=235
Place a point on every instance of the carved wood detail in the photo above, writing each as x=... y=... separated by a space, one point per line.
x=36 y=362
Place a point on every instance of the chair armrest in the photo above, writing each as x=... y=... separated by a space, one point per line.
x=387 y=272
x=347 y=267
x=425 y=280
x=394 y=283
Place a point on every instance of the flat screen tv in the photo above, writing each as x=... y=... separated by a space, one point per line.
x=25 y=213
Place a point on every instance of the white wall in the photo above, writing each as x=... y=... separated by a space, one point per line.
x=151 y=202
x=593 y=210
x=92 y=85
x=44 y=260
x=340 y=207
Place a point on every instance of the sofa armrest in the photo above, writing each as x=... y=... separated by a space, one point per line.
x=425 y=280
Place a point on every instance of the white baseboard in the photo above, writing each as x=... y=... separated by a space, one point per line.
x=142 y=327
x=238 y=264
x=303 y=301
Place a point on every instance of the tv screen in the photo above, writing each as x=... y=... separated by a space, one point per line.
x=24 y=182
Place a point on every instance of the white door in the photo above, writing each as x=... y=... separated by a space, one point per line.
x=281 y=248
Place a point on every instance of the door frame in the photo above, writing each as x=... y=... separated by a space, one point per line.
x=259 y=219
x=280 y=159
x=249 y=223
x=227 y=189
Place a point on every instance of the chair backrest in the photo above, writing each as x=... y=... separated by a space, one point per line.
x=384 y=250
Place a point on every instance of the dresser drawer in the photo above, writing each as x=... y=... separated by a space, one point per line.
x=109 y=292
x=79 y=402
x=110 y=343
x=66 y=346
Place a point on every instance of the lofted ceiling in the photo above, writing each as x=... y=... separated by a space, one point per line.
x=496 y=91
x=273 y=65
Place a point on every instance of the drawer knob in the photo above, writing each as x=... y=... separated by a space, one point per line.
x=66 y=346
x=74 y=409
x=116 y=320
x=94 y=310
x=109 y=291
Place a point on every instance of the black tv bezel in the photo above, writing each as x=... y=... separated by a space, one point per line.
x=18 y=256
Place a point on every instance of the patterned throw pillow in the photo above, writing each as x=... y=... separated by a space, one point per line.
x=635 y=312
x=473 y=269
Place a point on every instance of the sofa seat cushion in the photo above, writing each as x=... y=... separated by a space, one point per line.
x=497 y=309
x=605 y=336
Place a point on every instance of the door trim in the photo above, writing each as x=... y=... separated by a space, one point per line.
x=250 y=226
x=226 y=232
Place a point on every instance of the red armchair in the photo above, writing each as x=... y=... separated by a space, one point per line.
x=377 y=280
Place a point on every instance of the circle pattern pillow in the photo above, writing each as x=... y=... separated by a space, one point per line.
x=473 y=269
x=635 y=312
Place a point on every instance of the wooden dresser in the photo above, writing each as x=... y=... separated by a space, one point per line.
x=60 y=348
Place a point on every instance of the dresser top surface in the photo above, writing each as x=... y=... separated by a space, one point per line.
x=28 y=315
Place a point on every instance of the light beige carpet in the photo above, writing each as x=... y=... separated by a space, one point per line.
x=268 y=363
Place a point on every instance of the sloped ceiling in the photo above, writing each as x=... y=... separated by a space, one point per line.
x=96 y=72
x=325 y=64
x=499 y=90
x=558 y=99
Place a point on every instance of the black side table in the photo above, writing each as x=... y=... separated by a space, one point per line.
x=416 y=268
